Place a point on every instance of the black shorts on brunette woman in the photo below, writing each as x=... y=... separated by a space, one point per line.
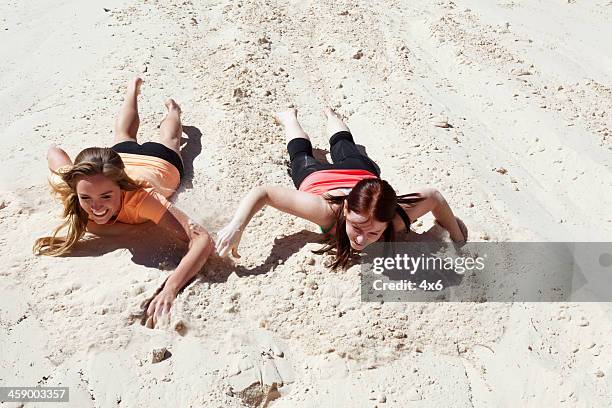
x=344 y=154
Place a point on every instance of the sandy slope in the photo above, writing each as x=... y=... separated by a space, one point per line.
x=526 y=87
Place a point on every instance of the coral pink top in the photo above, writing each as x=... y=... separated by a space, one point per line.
x=322 y=181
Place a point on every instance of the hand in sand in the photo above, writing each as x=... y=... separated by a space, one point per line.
x=160 y=306
x=228 y=240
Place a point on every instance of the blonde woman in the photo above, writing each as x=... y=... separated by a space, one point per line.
x=128 y=183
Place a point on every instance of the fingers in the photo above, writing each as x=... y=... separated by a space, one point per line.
x=227 y=242
x=157 y=310
x=166 y=310
x=228 y=239
x=225 y=249
x=219 y=242
x=223 y=244
x=212 y=243
x=222 y=249
x=151 y=307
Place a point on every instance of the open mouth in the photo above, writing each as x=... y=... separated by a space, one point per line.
x=99 y=214
x=357 y=246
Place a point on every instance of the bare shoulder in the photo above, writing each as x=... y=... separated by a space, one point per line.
x=309 y=206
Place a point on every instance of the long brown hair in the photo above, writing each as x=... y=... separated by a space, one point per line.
x=89 y=162
x=370 y=197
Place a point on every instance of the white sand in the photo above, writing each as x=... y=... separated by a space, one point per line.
x=527 y=86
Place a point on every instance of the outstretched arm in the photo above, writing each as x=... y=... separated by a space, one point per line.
x=434 y=201
x=304 y=205
x=200 y=247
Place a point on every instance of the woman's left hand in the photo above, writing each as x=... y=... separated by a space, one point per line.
x=160 y=305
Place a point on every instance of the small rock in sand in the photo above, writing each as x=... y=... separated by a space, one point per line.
x=159 y=354
x=257 y=395
x=520 y=72
x=181 y=328
x=501 y=170
x=358 y=55
x=583 y=322
x=442 y=122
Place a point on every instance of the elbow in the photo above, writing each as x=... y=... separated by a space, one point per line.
x=209 y=246
x=261 y=192
x=202 y=242
x=434 y=196
x=260 y=196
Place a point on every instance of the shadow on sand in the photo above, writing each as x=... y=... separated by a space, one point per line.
x=191 y=147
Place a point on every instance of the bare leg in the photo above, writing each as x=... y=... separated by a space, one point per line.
x=127 y=122
x=334 y=122
x=289 y=121
x=435 y=202
x=170 y=129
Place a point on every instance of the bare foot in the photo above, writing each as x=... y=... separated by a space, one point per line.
x=171 y=105
x=134 y=86
x=285 y=117
x=330 y=113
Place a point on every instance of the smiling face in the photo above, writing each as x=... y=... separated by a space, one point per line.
x=362 y=230
x=100 y=197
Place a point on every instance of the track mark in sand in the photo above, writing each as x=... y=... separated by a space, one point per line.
x=9 y=326
x=261 y=368
x=85 y=381
x=486 y=45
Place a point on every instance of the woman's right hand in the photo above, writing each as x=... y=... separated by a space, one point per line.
x=228 y=239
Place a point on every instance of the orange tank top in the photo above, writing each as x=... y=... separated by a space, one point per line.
x=147 y=204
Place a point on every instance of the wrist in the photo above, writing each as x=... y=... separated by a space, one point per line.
x=237 y=224
x=171 y=286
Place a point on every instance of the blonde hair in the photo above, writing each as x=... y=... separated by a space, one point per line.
x=89 y=162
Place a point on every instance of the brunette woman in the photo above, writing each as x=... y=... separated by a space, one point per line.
x=349 y=201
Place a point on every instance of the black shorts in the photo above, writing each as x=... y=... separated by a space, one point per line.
x=153 y=149
x=344 y=154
